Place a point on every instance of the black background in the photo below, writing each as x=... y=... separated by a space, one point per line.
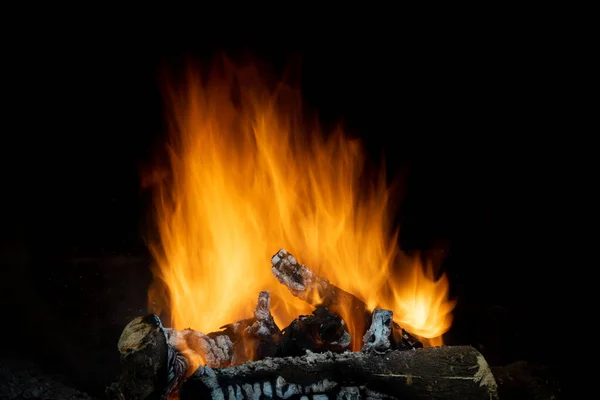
x=466 y=117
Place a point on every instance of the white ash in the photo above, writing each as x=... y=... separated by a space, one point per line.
x=377 y=337
x=296 y=277
x=312 y=358
x=484 y=374
x=286 y=390
x=345 y=339
x=252 y=392
x=235 y=392
x=264 y=324
x=209 y=379
x=282 y=389
x=321 y=387
x=371 y=394
x=263 y=307
x=267 y=389
x=215 y=352
x=349 y=393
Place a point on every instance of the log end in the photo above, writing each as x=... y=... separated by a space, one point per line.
x=144 y=361
x=136 y=331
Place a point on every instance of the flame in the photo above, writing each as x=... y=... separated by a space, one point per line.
x=421 y=304
x=247 y=177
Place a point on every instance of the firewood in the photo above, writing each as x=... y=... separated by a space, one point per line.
x=320 y=332
x=402 y=340
x=377 y=337
x=156 y=360
x=161 y=358
x=384 y=334
x=315 y=290
x=150 y=365
x=430 y=373
x=305 y=284
x=254 y=338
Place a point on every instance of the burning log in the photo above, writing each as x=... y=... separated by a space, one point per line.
x=384 y=334
x=404 y=340
x=431 y=373
x=254 y=338
x=156 y=360
x=315 y=290
x=377 y=338
x=320 y=332
x=155 y=365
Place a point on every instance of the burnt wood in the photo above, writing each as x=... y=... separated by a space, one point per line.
x=155 y=360
x=305 y=284
x=254 y=338
x=384 y=334
x=151 y=367
x=430 y=373
x=320 y=332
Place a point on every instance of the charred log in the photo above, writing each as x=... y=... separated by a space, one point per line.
x=303 y=283
x=432 y=373
x=160 y=359
x=384 y=334
x=198 y=349
x=402 y=340
x=254 y=338
x=320 y=332
x=377 y=338
x=151 y=368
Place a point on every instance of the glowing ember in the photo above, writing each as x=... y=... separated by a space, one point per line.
x=247 y=178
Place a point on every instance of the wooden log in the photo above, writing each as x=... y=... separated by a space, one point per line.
x=155 y=360
x=402 y=340
x=377 y=338
x=384 y=334
x=150 y=366
x=320 y=332
x=430 y=373
x=305 y=284
x=254 y=338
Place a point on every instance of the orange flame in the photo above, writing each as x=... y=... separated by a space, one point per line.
x=247 y=178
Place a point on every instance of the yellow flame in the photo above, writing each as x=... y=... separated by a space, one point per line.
x=248 y=177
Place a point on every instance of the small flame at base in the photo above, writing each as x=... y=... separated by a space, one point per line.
x=421 y=304
x=246 y=178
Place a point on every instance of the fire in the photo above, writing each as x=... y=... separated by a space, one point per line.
x=248 y=177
